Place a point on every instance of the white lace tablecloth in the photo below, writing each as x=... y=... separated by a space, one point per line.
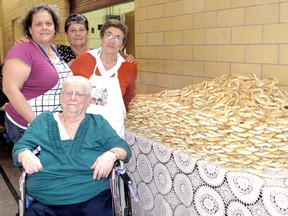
x=171 y=182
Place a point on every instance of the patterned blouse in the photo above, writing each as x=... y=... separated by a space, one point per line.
x=65 y=52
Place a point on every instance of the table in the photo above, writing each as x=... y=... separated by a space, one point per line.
x=168 y=182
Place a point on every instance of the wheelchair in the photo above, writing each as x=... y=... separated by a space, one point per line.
x=120 y=184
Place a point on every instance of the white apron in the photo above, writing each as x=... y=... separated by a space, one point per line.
x=107 y=98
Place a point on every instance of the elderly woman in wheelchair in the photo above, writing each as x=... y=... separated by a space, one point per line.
x=71 y=175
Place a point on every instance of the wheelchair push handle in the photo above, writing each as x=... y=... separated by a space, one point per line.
x=127 y=180
x=36 y=151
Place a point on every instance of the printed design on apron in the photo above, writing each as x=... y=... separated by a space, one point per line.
x=99 y=95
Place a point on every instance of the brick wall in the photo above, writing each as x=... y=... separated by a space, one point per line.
x=183 y=42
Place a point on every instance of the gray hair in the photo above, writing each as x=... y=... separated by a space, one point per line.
x=78 y=80
x=51 y=9
x=76 y=18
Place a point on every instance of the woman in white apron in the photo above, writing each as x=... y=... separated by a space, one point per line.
x=112 y=77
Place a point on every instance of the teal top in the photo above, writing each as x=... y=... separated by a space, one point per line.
x=66 y=177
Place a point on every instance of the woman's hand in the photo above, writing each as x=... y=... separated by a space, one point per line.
x=103 y=165
x=22 y=39
x=30 y=162
x=3 y=107
x=130 y=58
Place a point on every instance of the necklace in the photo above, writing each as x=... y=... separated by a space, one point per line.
x=71 y=131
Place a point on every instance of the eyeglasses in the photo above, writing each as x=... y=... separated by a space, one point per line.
x=76 y=94
x=117 y=38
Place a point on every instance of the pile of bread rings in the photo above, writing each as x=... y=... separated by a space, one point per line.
x=236 y=121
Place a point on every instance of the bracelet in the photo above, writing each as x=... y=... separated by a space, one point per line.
x=114 y=151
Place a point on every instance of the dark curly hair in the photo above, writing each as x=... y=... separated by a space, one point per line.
x=51 y=9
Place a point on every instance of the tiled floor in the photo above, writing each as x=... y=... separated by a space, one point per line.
x=9 y=187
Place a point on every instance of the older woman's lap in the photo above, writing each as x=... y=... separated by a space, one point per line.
x=99 y=205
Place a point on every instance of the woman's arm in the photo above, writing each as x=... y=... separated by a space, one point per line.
x=15 y=73
x=104 y=163
x=130 y=91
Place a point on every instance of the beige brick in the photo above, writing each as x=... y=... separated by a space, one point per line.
x=182 y=22
x=217 y=69
x=203 y=53
x=164 y=80
x=146 y=52
x=217 y=5
x=138 y=76
x=141 y=39
x=218 y=36
x=193 y=68
x=164 y=1
x=283 y=12
x=137 y=52
x=148 y=78
x=155 y=11
x=137 y=4
x=272 y=1
x=146 y=26
x=173 y=66
x=193 y=6
x=137 y=28
x=232 y=17
x=141 y=14
x=182 y=52
x=194 y=37
x=155 y=65
x=230 y=53
x=245 y=3
x=155 y=38
x=173 y=38
x=197 y=80
x=267 y=54
x=172 y=8
x=160 y=1
x=164 y=52
x=247 y=34
x=154 y=89
x=163 y=24
x=246 y=69
x=204 y=20
x=145 y=3
x=142 y=64
x=180 y=82
x=141 y=89
x=277 y=71
x=283 y=54
x=262 y=14
x=275 y=33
